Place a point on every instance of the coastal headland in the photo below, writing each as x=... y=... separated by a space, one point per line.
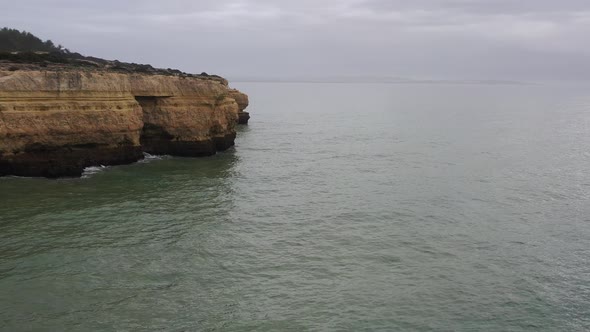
x=59 y=117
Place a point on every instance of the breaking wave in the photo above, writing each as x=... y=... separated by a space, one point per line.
x=89 y=171
x=148 y=158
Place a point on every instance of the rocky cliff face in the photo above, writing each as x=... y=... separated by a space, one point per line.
x=57 y=122
x=243 y=102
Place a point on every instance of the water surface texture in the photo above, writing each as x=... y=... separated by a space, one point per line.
x=343 y=207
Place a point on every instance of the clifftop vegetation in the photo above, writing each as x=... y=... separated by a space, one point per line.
x=12 y=40
x=21 y=50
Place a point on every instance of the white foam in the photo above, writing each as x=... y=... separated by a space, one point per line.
x=147 y=158
x=88 y=171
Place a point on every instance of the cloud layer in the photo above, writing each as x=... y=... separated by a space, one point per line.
x=497 y=39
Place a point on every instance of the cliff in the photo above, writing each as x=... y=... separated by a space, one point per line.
x=55 y=121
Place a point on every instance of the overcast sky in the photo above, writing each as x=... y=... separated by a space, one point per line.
x=448 y=39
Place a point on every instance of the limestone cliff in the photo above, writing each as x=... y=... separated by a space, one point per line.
x=57 y=122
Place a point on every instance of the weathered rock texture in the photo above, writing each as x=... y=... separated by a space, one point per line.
x=242 y=100
x=56 y=123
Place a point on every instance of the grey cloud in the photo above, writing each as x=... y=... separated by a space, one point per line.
x=538 y=39
x=510 y=7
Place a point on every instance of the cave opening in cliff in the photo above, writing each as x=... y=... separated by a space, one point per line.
x=147 y=103
x=153 y=137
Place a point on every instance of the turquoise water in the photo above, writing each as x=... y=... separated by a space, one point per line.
x=343 y=207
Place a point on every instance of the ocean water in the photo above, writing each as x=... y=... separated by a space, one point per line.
x=343 y=207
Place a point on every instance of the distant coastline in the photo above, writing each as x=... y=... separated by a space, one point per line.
x=377 y=80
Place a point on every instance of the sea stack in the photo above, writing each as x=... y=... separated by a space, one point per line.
x=57 y=119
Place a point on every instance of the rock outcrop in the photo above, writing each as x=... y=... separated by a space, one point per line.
x=56 y=122
x=242 y=100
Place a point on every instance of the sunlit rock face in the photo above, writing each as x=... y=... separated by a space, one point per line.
x=57 y=122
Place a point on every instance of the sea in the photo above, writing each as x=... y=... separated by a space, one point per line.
x=343 y=207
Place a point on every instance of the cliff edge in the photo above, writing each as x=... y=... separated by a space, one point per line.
x=57 y=119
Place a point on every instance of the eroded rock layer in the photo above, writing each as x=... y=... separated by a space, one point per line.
x=56 y=123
